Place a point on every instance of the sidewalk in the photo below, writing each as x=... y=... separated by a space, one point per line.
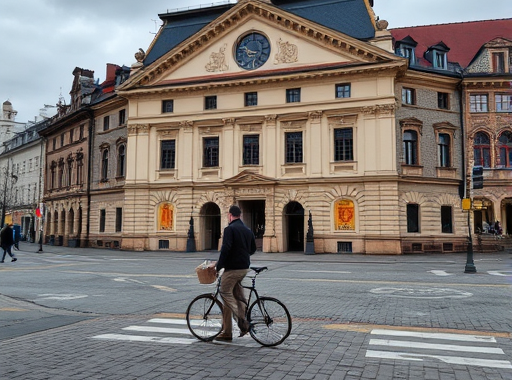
x=277 y=256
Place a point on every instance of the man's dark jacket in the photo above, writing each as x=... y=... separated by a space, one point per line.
x=238 y=245
x=6 y=237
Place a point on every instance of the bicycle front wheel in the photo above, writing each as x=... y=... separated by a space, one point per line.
x=270 y=321
x=204 y=317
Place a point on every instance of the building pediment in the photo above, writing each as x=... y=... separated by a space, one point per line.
x=248 y=177
x=289 y=42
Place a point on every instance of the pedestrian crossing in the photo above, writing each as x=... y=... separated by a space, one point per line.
x=156 y=330
x=449 y=348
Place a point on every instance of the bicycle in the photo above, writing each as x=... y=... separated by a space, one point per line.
x=270 y=321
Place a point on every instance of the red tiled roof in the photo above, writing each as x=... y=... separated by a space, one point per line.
x=464 y=39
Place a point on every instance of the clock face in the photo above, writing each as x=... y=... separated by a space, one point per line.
x=252 y=51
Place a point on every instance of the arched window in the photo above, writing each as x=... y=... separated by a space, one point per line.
x=505 y=148
x=410 y=147
x=482 y=150
x=121 y=161
x=104 y=165
x=344 y=215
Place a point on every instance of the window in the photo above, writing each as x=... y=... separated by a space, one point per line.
x=498 y=62
x=413 y=217
x=122 y=117
x=71 y=136
x=106 y=123
x=167 y=154
x=293 y=95
x=408 y=52
x=210 y=102
x=54 y=143
x=103 y=213
x=70 y=173
x=482 y=150
x=343 y=144
x=410 y=147
x=505 y=148
x=52 y=175
x=408 y=96
x=503 y=103
x=211 y=152
x=104 y=165
x=61 y=174
x=446 y=219
x=343 y=90
x=30 y=167
x=167 y=106
x=121 y=161
x=119 y=219
x=251 y=150
x=444 y=150
x=439 y=60
x=80 y=170
x=251 y=99
x=443 y=100
x=62 y=140
x=82 y=127
x=478 y=103
x=293 y=147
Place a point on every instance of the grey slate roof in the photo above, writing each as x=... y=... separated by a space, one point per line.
x=346 y=16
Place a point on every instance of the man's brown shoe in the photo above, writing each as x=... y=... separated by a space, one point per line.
x=224 y=337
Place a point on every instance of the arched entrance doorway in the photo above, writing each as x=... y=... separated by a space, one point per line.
x=483 y=215
x=293 y=219
x=210 y=218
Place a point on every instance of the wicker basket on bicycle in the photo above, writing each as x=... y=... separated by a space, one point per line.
x=206 y=273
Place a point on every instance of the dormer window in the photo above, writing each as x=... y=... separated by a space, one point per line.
x=439 y=61
x=437 y=55
x=407 y=48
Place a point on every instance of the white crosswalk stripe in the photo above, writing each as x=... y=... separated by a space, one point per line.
x=471 y=350
x=161 y=330
x=167 y=331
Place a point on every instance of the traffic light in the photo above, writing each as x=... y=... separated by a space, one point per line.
x=478 y=177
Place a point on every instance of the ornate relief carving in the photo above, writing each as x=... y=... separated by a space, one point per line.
x=315 y=116
x=229 y=121
x=271 y=119
x=286 y=52
x=138 y=128
x=217 y=61
x=293 y=124
x=381 y=109
x=250 y=127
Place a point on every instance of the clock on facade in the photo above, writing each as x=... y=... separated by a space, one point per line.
x=252 y=51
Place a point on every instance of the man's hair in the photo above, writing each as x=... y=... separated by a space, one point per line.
x=235 y=211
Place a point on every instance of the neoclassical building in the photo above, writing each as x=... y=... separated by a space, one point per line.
x=296 y=111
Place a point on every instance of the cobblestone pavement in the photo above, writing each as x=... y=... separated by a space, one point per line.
x=94 y=314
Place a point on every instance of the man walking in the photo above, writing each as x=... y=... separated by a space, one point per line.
x=238 y=244
x=7 y=240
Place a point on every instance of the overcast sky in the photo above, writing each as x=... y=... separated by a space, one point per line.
x=42 y=41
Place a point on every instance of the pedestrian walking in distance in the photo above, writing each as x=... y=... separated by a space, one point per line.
x=238 y=244
x=6 y=241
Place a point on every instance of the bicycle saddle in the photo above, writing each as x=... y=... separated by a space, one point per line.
x=259 y=269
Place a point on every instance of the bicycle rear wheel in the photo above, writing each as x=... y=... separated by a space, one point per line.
x=270 y=321
x=204 y=317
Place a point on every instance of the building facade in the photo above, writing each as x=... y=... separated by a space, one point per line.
x=480 y=54
x=277 y=108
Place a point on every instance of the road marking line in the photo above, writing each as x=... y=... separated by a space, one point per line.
x=459 y=337
x=139 y=338
x=165 y=330
x=435 y=346
x=440 y=273
x=444 y=359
